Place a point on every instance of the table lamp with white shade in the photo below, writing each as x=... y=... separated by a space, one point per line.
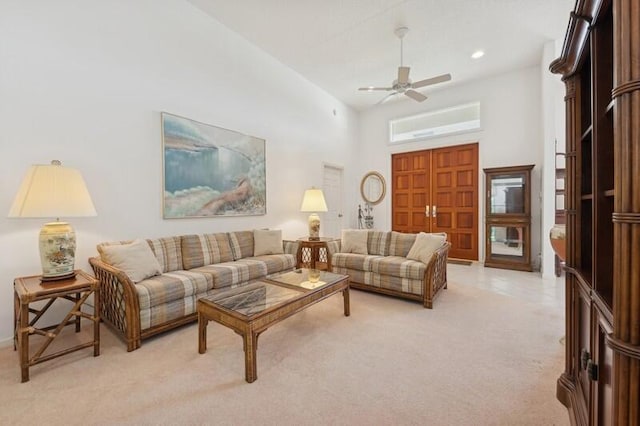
x=54 y=191
x=313 y=201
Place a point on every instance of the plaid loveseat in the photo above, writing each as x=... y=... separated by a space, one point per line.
x=386 y=269
x=192 y=266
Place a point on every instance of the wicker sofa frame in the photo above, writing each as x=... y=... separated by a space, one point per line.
x=120 y=307
x=435 y=279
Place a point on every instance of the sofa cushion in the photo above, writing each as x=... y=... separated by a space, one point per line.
x=354 y=241
x=136 y=259
x=398 y=267
x=233 y=273
x=241 y=244
x=352 y=261
x=277 y=262
x=168 y=252
x=168 y=312
x=200 y=250
x=401 y=243
x=389 y=282
x=425 y=246
x=333 y=247
x=171 y=286
x=378 y=242
x=290 y=247
x=267 y=241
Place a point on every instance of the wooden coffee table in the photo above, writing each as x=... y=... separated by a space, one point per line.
x=251 y=309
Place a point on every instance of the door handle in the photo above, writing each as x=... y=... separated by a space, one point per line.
x=426 y=211
x=433 y=211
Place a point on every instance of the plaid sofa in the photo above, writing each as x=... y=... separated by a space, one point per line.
x=386 y=269
x=192 y=266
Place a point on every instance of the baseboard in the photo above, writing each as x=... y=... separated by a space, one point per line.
x=459 y=261
x=5 y=343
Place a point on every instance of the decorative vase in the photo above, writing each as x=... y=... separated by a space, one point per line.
x=314 y=275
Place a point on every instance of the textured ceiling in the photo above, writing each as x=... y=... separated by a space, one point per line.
x=341 y=45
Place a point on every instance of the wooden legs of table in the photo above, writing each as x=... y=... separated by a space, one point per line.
x=24 y=328
x=250 y=340
x=22 y=337
x=249 y=343
x=347 y=306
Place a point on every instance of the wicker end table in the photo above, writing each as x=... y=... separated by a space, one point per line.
x=31 y=289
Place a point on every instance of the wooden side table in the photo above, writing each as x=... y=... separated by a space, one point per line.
x=313 y=254
x=27 y=290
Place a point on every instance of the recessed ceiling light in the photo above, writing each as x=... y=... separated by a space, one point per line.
x=477 y=54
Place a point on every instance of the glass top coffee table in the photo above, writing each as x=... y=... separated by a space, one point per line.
x=252 y=308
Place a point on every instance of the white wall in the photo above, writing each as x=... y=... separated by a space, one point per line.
x=511 y=135
x=85 y=81
x=553 y=119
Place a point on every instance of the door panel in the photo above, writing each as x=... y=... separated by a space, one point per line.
x=332 y=188
x=603 y=386
x=410 y=191
x=437 y=191
x=456 y=200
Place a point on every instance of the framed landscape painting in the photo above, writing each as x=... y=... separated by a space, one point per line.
x=210 y=171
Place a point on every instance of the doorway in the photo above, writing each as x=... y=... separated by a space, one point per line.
x=332 y=188
x=436 y=190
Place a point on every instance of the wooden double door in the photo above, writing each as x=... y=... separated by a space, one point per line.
x=436 y=190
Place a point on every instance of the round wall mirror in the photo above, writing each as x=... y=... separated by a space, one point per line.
x=373 y=188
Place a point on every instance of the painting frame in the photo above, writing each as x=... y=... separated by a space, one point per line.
x=210 y=171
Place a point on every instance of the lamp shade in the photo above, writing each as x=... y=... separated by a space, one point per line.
x=313 y=201
x=52 y=191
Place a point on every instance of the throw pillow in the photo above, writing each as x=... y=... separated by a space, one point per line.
x=267 y=241
x=136 y=259
x=354 y=241
x=425 y=245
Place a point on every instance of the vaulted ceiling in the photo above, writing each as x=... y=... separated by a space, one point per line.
x=341 y=45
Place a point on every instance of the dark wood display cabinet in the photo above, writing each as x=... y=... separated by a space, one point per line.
x=600 y=66
x=508 y=217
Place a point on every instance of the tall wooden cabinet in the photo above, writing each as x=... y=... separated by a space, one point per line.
x=600 y=65
x=508 y=217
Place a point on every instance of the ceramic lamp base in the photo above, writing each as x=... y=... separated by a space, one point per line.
x=314 y=227
x=57 y=251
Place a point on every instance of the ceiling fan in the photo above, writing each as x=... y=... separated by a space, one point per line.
x=403 y=84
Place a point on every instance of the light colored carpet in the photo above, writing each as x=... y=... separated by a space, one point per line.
x=477 y=358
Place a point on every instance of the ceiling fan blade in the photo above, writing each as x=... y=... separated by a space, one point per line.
x=371 y=89
x=433 y=80
x=383 y=100
x=415 y=95
x=403 y=75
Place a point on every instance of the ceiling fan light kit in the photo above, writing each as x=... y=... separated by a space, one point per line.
x=403 y=84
